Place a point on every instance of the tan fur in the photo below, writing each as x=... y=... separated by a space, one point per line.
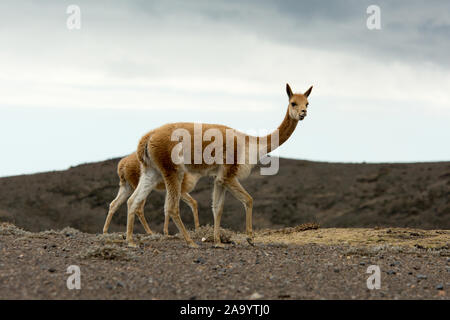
x=154 y=152
x=129 y=172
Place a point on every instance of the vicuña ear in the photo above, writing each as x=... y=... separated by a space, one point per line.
x=289 y=91
x=307 y=92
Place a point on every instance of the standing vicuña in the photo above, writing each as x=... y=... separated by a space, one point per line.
x=129 y=171
x=155 y=152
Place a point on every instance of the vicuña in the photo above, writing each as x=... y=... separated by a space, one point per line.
x=129 y=171
x=155 y=151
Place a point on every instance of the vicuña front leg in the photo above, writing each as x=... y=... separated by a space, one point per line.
x=238 y=191
x=217 y=207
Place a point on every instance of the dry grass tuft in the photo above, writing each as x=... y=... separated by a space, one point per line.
x=7 y=229
x=111 y=237
x=120 y=238
x=393 y=237
x=149 y=237
x=66 y=232
x=288 y=230
x=207 y=232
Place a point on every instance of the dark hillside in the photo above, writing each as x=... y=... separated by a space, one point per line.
x=332 y=194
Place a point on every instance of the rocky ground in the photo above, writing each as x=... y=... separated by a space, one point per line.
x=304 y=262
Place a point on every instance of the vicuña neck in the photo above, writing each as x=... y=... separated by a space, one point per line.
x=284 y=130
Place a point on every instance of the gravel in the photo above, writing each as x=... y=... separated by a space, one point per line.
x=164 y=268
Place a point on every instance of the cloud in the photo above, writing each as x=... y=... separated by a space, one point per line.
x=411 y=30
x=223 y=57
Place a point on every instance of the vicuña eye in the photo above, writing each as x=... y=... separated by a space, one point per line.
x=293 y=104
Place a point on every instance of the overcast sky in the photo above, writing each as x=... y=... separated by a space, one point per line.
x=74 y=96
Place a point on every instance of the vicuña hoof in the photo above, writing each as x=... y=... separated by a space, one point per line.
x=132 y=244
x=250 y=241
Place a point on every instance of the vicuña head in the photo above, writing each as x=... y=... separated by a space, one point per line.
x=298 y=103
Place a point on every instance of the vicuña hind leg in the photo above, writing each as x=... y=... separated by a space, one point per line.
x=148 y=180
x=124 y=192
x=192 y=203
x=166 y=223
x=141 y=216
x=172 y=206
x=238 y=191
